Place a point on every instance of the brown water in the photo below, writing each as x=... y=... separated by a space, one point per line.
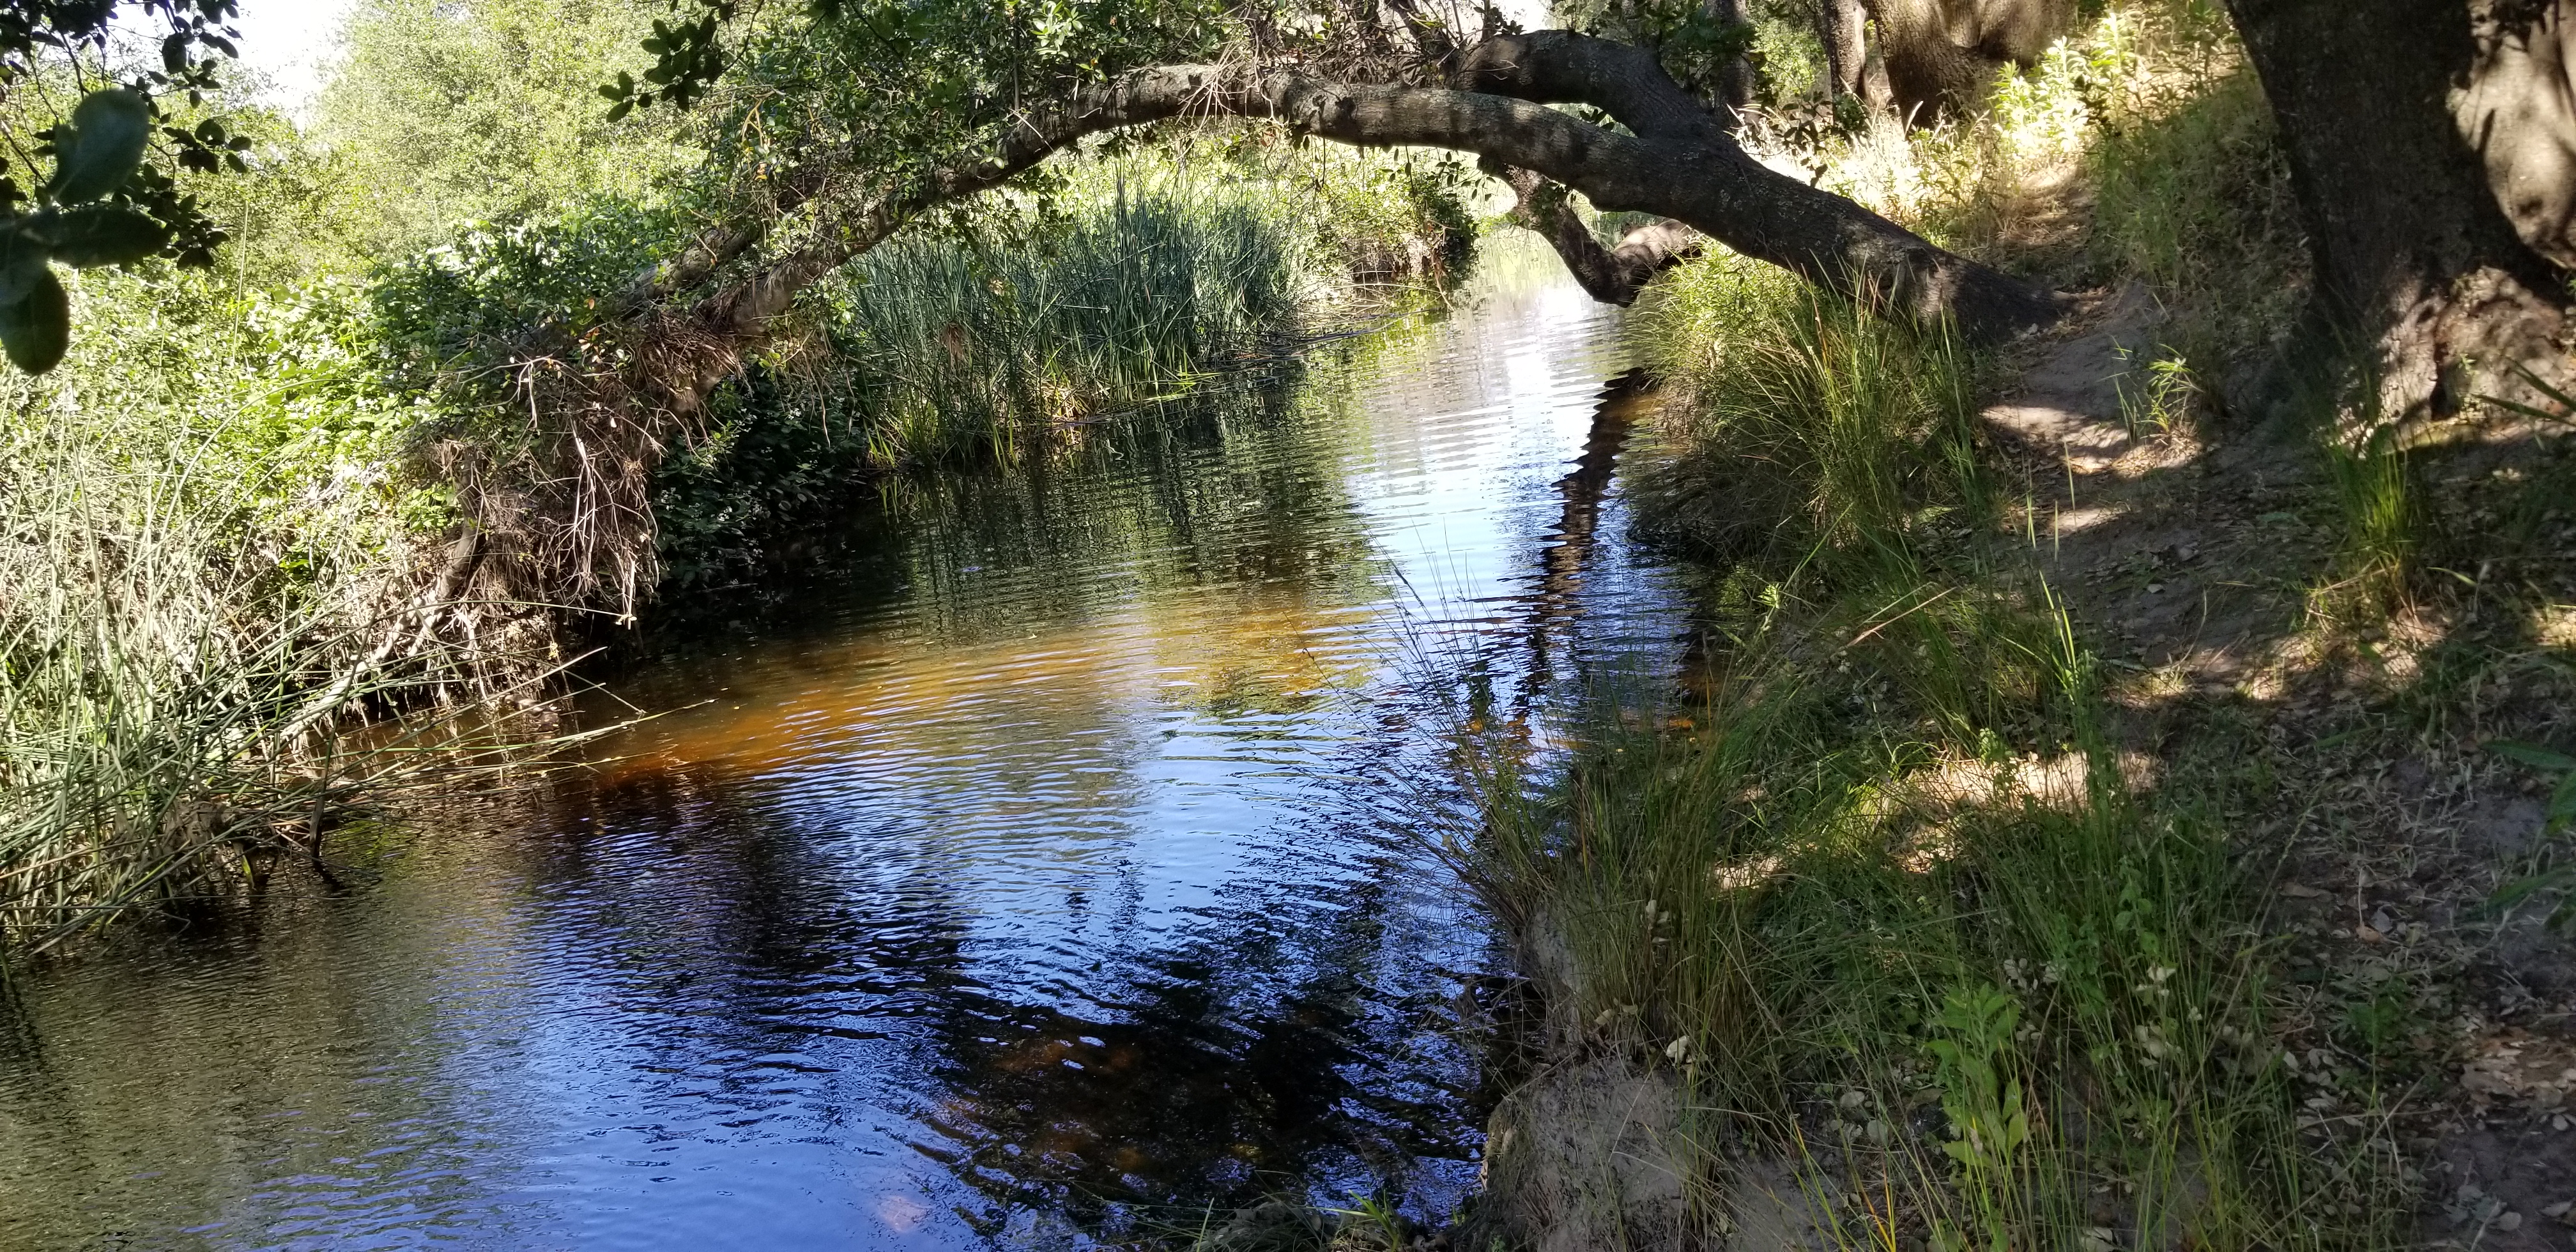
x=1048 y=866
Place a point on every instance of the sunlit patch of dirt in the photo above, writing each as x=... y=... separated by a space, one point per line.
x=2409 y=1009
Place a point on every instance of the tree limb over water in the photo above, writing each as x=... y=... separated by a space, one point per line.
x=1667 y=155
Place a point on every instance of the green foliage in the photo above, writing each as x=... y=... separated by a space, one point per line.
x=457 y=305
x=898 y=87
x=105 y=149
x=198 y=531
x=1856 y=429
x=2558 y=816
x=1144 y=280
x=97 y=152
x=1971 y=1041
x=100 y=147
x=2386 y=528
x=1694 y=45
x=2196 y=201
x=37 y=326
x=444 y=116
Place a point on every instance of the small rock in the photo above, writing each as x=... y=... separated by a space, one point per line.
x=2508 y=1220
x=2559 y=1209
x=2367 y=934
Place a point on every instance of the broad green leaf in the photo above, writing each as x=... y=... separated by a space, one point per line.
x=2531 y=754
x=22 y=262
x=104 y=235
x=37 y=328
x=98 y=151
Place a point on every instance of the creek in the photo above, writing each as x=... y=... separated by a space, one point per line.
x=1051 y=864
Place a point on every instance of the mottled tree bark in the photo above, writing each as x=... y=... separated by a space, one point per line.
x=1843 y=27
x=2414 y=255
x=1941 y=54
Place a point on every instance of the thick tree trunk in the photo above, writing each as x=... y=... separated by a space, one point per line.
x=2413 y=254
x=1843 y=27
x=1735 y=81
x=1942 y=54
x=2518 y=113
x=1929 y=74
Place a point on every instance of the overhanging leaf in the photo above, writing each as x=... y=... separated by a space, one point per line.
x=105 y=235
x=37 y=328
x=22 y=263
x=101 y=147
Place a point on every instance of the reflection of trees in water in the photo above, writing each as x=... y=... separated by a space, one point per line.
x=1258 y=1052
x=1547 y=647
x=240 y=1080
x=1247 y=1048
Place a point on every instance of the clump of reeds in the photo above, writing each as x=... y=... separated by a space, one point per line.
x=1146 y=280
x=952 y=343
x=181 y=652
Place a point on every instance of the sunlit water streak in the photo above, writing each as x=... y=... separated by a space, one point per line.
x=1057 y=871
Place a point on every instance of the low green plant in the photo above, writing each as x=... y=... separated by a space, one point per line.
x=2558 y=815
x=2385 y=530
x=1971 y=1041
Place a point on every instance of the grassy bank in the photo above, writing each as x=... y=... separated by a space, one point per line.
x=1974 y=897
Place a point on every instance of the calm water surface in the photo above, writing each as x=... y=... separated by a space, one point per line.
x=1047 y=870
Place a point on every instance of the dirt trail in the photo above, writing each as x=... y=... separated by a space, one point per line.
x=2190 y=566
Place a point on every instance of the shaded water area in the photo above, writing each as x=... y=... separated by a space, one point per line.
x=1048 y=865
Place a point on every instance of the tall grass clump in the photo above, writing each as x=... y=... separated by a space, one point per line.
x=2384 y=532
x=1804 y=406
x=197 y=578
x=1984 y=996
x=1144 y=281
x=1876 y=893
x=950 y=344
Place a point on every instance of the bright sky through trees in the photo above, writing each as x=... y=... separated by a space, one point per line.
x=289 y=41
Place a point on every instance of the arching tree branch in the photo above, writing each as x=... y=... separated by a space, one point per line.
x=1610 y=275
x=1678 y=163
